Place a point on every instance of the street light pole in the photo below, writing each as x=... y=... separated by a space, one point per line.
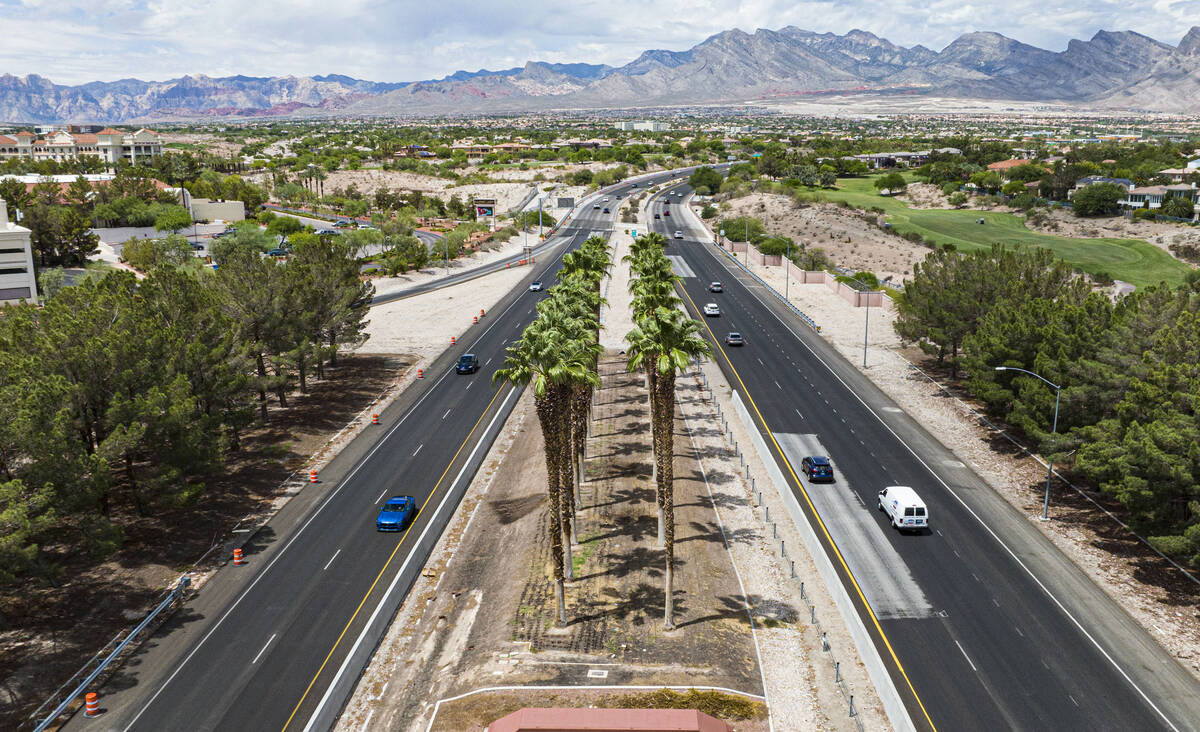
x=867 y=326
x=1053 y=430
x=787 y=276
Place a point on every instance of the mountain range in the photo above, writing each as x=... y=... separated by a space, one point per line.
x=1114 y=70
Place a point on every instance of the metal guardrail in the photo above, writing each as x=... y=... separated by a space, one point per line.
x=172 y=596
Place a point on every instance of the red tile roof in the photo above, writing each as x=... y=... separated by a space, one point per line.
x=7 y=140
x=25 y=133
x=109 y=131
x=608 y=720
x=1006 y=164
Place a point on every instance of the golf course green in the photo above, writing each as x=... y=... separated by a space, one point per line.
x=1132 y=260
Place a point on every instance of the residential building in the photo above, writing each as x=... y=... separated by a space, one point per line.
x=642 y=126
x=1092 y=180
x=1179 y=175
x=108 y=144
x=1152 y=196
x=18 y=279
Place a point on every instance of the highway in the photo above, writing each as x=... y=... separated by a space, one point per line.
x=278 y=644
x=981 y=622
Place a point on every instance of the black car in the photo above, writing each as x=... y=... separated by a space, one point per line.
x=467 y=364
x=606 y=210
x=657 y=216
x=817 y=467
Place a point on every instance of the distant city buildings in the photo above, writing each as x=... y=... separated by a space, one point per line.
x=642 y=126
x=60 y=144
x=17 y=278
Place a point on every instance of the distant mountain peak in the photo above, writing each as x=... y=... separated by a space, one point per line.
x=1113 y=68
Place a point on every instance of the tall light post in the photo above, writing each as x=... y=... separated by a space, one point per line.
x=867 y=326
x=787 y=275
x=1053 y=430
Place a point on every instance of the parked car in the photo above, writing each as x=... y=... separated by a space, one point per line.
x=678 y=234
x=467 y=364
x=715 y=286
x=712 y=310
x=734 y=339
x=397 y=514
x=904 y=508
x=326 y=232
x=817 y=467
x=277 y=252
x=343 y=224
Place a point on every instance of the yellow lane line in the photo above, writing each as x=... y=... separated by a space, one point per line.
x=812 y=508
x=389 y=561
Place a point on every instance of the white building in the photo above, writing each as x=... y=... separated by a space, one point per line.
x=108 y=144
x=642 y=126
x=18 y=280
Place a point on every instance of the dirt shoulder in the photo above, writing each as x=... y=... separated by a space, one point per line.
x=52 y=630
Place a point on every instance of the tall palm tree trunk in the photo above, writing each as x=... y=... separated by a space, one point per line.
x=667 y=491
x=566 y=490
x=652 y=379
x=547 y=412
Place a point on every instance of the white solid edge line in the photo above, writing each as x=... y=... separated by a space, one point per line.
x=280 y=553
x=400 y=573
x=976 y=516
x=745 y=603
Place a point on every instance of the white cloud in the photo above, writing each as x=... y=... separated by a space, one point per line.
x=73 y=41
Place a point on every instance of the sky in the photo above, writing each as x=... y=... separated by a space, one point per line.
x=76 y=41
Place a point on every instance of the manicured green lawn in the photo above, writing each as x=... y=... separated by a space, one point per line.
x=1131 y=260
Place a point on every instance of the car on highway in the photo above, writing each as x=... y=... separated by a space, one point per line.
x=468 y=363
x=666 y=212
x=633 y=186
x=678 y=234
x=715 y=286
x=535 y=286
x=817 y=467
x=606 y=199
x=657 y=216
x=343 y=224
x=326 y=232
x=734 y=339
x=904 y=508
x=606 y=210
x=396 y=514
x=595 y=206
x=712 y=310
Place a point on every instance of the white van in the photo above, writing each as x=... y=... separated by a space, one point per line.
x=904 y=508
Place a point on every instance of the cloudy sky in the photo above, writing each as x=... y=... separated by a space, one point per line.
x=75 y=41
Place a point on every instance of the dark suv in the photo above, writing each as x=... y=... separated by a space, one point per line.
x=817 y=467
x=467 y=364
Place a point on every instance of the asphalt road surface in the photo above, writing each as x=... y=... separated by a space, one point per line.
x=981 y=622
x=279 y=643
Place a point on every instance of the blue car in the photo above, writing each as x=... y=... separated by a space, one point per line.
x=817 y=467
x=396 y=514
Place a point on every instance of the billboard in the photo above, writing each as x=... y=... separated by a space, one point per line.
x=485 y=206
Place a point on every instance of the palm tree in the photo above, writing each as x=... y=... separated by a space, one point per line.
x=551 y=359
x=665 y=341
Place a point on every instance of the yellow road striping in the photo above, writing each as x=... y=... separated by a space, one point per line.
x=389 y=561
x=812 y=508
